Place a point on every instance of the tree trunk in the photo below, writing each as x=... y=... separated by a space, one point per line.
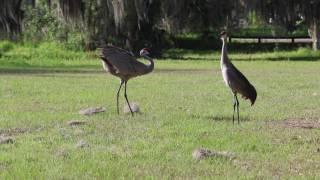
x=49 y=4
x=315 y=35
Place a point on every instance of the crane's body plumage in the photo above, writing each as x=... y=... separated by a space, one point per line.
x=234 y=79
x=123 y=64
x=238 y=83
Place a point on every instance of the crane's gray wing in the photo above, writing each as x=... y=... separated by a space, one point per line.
x=123 y=61
x=239 y=83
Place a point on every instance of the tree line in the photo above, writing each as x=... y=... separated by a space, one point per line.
x=137 y=23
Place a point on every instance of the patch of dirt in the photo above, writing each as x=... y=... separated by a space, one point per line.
x=76 y=123
x=61 y=152
x=6 y=140
x=14 y=131
x=205 y=153
x=82 y=144
x=301 y=123
x=92 y=110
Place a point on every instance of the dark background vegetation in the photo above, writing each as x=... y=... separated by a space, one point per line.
x=157 y=24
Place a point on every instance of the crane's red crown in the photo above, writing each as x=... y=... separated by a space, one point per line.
x=223 y=33
x=144 y=51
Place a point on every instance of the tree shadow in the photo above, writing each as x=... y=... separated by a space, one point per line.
x=181 y=58
x=189 y=70
x=53 y=70
x=299 y=58
x=214 y=55
x=289 y=58
x=49 y=70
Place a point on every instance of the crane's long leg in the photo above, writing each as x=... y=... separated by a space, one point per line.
x=121 y=83
x=234 y=106
x=237 y=108
x=125 y=95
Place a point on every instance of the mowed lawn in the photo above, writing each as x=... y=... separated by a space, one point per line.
x=184 y=105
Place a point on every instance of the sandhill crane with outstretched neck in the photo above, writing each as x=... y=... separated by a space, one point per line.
x=234 y=79
x=124 y=65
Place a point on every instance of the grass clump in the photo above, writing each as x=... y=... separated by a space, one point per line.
x=6 y=46
x=42 y=54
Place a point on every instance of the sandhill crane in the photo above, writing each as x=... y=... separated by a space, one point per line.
x=234 y=79
x=124 y=65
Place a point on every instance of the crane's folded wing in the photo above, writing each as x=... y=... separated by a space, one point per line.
x=240 y=84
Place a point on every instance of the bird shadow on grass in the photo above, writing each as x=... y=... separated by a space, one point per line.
x=249 y=58
x=221 y=118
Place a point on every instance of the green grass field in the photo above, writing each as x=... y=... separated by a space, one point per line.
x=185 y=105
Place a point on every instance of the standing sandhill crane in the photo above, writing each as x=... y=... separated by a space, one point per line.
x=234 y=79
x=124 y=65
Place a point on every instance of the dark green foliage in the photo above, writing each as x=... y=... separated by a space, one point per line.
x=6 y=46
x=10 y=17
x=41 y=24
x=72 y=9
x=134 y=24
x=292 y=14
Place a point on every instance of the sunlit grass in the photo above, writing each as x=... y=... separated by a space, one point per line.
x=185 y=105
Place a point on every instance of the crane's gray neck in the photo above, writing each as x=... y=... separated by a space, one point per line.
x=224 y=53
x=149 y=66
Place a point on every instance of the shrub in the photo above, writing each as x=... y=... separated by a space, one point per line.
x=6 y=46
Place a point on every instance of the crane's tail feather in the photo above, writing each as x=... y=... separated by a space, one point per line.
x=250 y=94
x=253 y=95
